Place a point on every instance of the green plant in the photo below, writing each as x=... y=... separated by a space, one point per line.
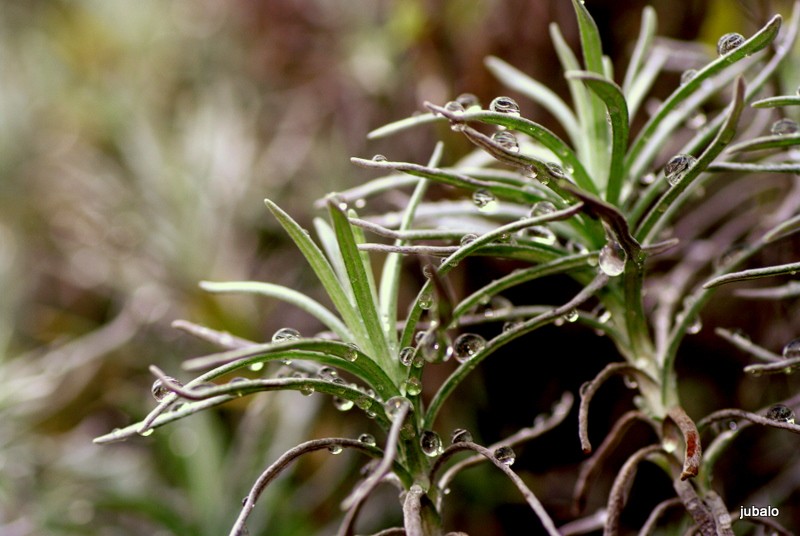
x=596 y=210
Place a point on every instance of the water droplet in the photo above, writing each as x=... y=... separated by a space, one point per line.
x=792 y=349
x=342 y=404
x=512 y=324
x=335 y=449
x=695 y=326
x=484 y=200
x=687 y=75
x=147 y=432
x=255 y=367
x=379 y=158
x=454 y=106
x=426 y=300
x=413 y=386
x=506 y=140
x=306 y=390
x=677 y=167
x=328 y=374
x=630 y=381
x=784 y=126
x=505 y=455
x=729 y=42
x=541 y=208
x=612 y=259
x=461 y=435
x=160 y=391
x=434 y=347
x=781 y=413
x=468 y=239
x=428 y=271
x=352 y=352
x=406 y=356
x=468 y=100
x=286 y=335
x=505 y=105
x=584 y=388
x=467 y=345
x=367 y=439
x=556 y=170
x=575 y=247
x=395 y=404
x=431 y=443
x=363 y=402
x=541 y=234
x=572 y=315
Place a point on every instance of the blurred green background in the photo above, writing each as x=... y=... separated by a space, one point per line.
x=137 y=141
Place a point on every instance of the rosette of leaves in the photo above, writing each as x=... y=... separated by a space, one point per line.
x=595 y=206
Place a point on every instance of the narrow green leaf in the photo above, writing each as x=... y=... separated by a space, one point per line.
x=360 y=281
x=322 y=269
x=537 y=92
x=643 y=46
x=766 y=142
x=298 y=299
x=403 y=124
x=643 y=83
x=390 y=277
x=673 y=197
x=331 y=247
x=784 y=229
x=744 y=167
x=755 y=273
x=762 y=38
x=590 y=39
x=617 y=109
x=775 y=102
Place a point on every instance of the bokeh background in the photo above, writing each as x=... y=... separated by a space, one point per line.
x=137 y=141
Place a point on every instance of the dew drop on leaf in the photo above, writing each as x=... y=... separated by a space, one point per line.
x=342 y=404
x=729 y=42
x=556 y=170
x=328 y=374
x=505 y=455
x=511 y=324
x=147 y=432
x=454 y=106
x=784 y=126
x=413 y=386
x=484 y=200
x=367 y=439
x=677 y=167
x=160 y=391
x=572 y=315
x=395 y=404
x=467 y=345
x=460 y=435
x=426 y=300
x=468 y=239
x=431 y=443
x=352 y=352
x=406 y=356
x=306 y=390
x=468 y=100
x=255 y=367
x=781 y=413
x=335 y=449
x=541 y=208
x=505 y=105
x=687 y=75
x=792 y=349
x=506 y=140
x=541 y=234
x=379 y=158
x=286 y=335
x=612 y=259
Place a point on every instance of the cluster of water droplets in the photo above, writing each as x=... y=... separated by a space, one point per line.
x=677 y=167
x=729 y=42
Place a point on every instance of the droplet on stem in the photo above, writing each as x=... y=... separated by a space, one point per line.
x=431 y=443
x=286 y=335
x=406 y=356
x=352 y=352
x=505 y=455
x=484 y=200
x=785 y=126
x=335 y=449
x=425 y=300
x=781 y=413
x=792 y=349
x=160 y=391
x=541 y=208
x=367 y=439
x=467 y=345
x=468 y=239
x=468 y=100
x=379 y=158
x=413 y=386
x=394 y=404
x=729 y=42
x=506 y=140
x=342 y=404
x=677 y=167
x=454 y=106
x=505 y=105
x=687 y=75
x=612 y=259
x=460 y=435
